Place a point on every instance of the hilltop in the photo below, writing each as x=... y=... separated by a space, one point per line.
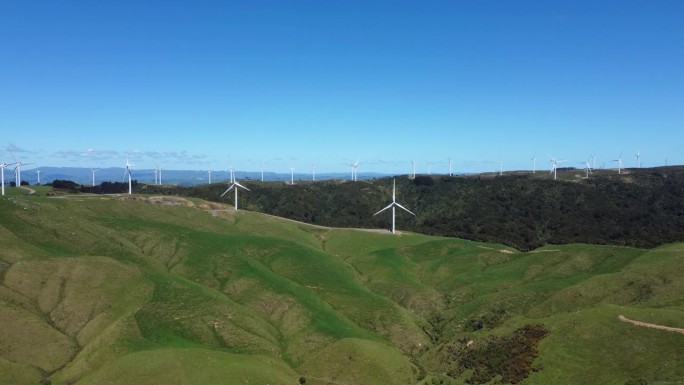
x=152 y=289
x=640 y=207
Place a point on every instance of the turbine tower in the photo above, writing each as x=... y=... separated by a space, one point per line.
x=450 y=174
x=413 y=176
x=394 y=205
x=619 y=163
x=500 y=167
x=292 y=175
x=93 y=171
x=209 y=171
x=638 y=156
x=38 y=173
x=2 y=175
x=534 y=164
x=313 y=172
x=17 y=170
x=554 y=166
x=234 y=186
x=128 y=173
x=587 y=169
x=261 y=165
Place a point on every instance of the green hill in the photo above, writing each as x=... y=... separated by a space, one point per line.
x=159 y=289
x=640 y=207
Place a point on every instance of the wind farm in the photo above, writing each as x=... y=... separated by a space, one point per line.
x=341 y=193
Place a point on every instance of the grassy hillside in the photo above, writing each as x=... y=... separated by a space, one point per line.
x=153 y=289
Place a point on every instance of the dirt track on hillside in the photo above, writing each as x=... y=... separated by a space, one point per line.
x=652 y=326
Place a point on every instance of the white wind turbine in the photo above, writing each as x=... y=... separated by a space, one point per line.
x=17 y=170
x=450 y=174
x=38 y=178
x=92 y=172
x=554 y=166
x=413 y=176
x=500 y=167
x=128 y=173
x=261 y=165
x=534 y=164
x=313 y=172
x=2 y=174
x=235 y=185
x=394 y=205
x=354 y=166
x=638 y=156
x=209 y=171
x=291 y=175
x=619 y=163
x=157 y=174
x=587 y=169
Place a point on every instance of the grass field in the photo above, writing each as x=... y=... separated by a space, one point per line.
x=147 y=290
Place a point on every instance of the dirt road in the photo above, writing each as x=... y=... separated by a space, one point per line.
x=652 y=326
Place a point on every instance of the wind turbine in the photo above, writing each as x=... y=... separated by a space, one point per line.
x=292 y=175
x=159 y=172
x=534 y=164
x=2 y=172
x=235 y=185
x=554 y=166
x=93 y=171
x=17 y=170
x=619 y=162
x=587 y=169
x=261 y=165
x=313 y=172
x=209 y=171
x=500 y=167
x=38 y=173
x=128 y=173
x=450 y=167
x=354 y=166
x=638 y=156
x=394 y=205
x=413 y=176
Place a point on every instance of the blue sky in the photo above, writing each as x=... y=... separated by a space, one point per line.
x=197 y=85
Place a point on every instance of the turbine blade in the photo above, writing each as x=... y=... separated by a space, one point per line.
x=405 y=209
x=241 y=186
x=226 y=192
x=388 y=206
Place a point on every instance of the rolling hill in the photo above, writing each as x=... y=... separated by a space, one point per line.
x=161 y=289
x=640 y=207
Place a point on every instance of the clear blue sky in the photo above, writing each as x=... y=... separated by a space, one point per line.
x=201 y=84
